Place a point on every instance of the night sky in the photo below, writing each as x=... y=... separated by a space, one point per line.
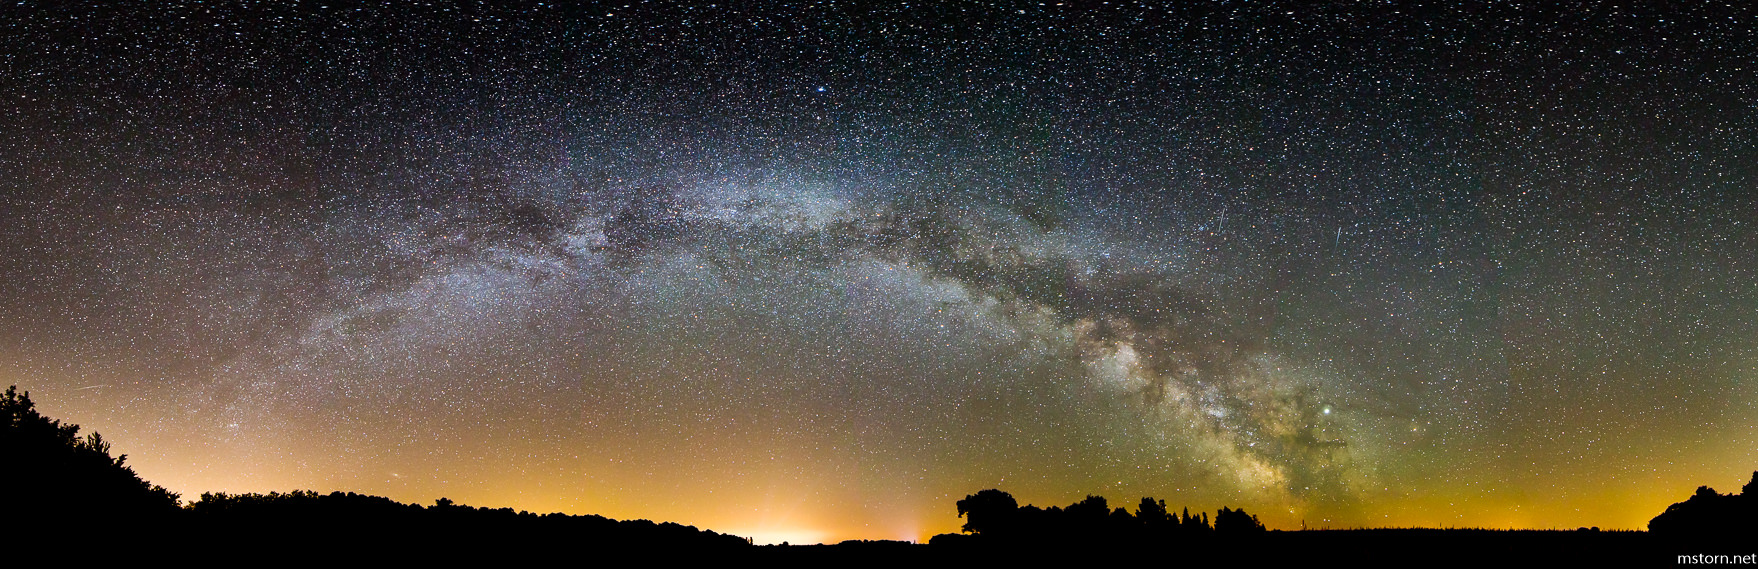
x=815 y=271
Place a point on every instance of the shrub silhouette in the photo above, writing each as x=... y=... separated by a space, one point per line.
x=55 y=474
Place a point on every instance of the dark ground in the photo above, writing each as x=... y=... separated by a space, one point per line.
x=1317 y=548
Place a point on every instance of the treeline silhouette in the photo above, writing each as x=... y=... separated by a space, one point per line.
x=1708 y=515
x=60 y=487
x=58 y=476
x=359 y=521
x=995 y=516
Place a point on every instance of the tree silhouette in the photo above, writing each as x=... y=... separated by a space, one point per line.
x=988 y=511
x=54 y=473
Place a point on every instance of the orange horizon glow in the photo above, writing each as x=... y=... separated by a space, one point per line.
x=767 y=522
x=773 y=513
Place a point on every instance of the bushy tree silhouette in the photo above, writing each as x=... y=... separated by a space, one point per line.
x=52 y=473
x=1090 y=511
x=1236 y=522
x=1712 y=515
x=988 y=511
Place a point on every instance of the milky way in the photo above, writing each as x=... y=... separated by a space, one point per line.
x=815 y=271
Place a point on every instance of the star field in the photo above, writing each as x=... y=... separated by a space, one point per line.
x=813 y=271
